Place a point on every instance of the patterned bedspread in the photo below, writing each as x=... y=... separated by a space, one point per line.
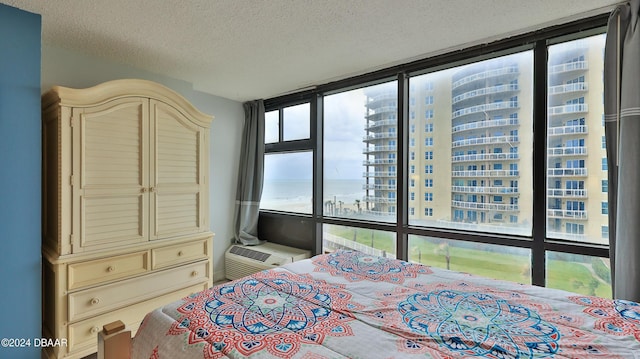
x=351 y=305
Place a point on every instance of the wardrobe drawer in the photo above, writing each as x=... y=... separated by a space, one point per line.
x=94 y=301
x=84 y=333
x=104 y=270
x=179 y=253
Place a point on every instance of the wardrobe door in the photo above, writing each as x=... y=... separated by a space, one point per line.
x=178 y=180
x=110 y=182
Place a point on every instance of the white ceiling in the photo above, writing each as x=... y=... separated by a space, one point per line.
x=249 y=49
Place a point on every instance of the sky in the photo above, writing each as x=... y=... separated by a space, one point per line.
x=344 y=129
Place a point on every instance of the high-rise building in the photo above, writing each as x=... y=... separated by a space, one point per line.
x=577 y=167
x=381 y=146
x=470 y=157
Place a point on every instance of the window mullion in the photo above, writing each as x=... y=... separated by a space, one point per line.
x=402 y=196
x=538 y=262
x=317 y=133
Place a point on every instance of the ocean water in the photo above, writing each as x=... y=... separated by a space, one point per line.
x=296 y=195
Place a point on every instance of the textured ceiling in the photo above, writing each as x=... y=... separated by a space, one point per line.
x=248 y=49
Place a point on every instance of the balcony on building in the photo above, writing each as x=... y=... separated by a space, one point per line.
x=378 y=174
x=503 y=207
x=486 y=157
x=486 y=173
x=570 y=88
x=567 y=214
x=377 y=149
x=486 y=109
x=474 y=76
x=484 y=190
x=485 y=141
x=570 y=109
x=566 y=193
x=567 y=130
x=567 y=172
x=485 y=124
x=567 y=151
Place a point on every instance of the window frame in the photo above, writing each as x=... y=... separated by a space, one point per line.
x=538 y=41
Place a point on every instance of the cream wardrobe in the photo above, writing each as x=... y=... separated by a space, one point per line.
x=126 y=207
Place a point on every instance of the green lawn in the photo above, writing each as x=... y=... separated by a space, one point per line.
x=492 y=261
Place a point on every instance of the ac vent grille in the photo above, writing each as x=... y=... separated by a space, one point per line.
x=250 y=253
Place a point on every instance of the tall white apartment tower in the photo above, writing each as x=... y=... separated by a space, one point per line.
x=491 y=124
x=470 y=159
x=380 y=150
x=576 y=155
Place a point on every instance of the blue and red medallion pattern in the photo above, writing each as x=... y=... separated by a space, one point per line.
x=332 y=310
x=461 y=319
x=274 y=311
x=479 y=324
x=617 y=317
x=356 y=266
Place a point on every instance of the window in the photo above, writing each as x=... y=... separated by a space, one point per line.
x=288 y=170
x=370 y=241
x=574 y=115
x=295 y=122
x=484 y=120
x=428 y=114
x=428 y=100
x=288 y=182
x=493 y=261
x=476 y=130
x=360 y=164
x=579 y=273
x=272 y=127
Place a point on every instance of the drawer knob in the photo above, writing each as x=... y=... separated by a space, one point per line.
x=111 y=269
x=194 y=273
x=95 y=301
x=180 y=254
x=95 y=330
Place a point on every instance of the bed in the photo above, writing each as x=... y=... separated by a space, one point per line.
x=348 y=304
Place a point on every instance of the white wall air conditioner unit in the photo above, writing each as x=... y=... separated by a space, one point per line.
x=240 y=260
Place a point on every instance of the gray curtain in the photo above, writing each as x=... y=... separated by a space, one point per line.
x=622 y=132
x=250 y=175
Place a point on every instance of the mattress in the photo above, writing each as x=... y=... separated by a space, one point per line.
x=348 y=304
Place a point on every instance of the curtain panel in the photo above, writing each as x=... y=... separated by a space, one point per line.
x=250 y=175
x=622 y=132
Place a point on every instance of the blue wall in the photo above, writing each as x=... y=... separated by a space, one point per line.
x=20 y=190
